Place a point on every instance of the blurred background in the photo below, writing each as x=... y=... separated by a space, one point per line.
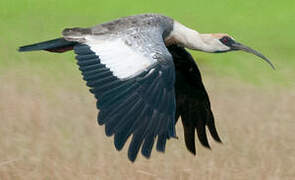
x=48 y=118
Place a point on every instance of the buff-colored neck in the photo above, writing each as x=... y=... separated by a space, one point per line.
x=192 y=39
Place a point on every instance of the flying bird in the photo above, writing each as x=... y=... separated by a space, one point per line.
x=144 y=79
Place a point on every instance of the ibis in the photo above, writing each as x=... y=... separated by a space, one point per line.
x=144 y=79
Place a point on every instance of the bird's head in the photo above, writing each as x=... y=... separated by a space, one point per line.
x=213 y=43
x=220 y=43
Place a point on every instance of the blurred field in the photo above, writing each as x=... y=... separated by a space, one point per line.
x=48 y=118
x=53 y=134
x=267 y=26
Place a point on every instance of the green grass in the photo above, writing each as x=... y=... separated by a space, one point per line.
x=267 y=26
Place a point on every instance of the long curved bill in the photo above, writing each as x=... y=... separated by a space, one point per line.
x=239 y=46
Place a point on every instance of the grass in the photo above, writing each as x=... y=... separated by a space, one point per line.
x=49 y=128
x=263 y=25
x=53 y=134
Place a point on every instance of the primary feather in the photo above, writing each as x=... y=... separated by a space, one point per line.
x=142 y=81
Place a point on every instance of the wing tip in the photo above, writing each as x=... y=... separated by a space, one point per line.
x=217 y=139
x=132 y=157
x=204 y=142
x=193 y=151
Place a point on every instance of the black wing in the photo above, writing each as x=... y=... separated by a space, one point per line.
x=192 y=101
x=142 y=106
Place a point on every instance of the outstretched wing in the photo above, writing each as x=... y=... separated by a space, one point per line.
x=134 y=85
x=192 y=101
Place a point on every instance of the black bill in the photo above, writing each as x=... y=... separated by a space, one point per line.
x=238 y=46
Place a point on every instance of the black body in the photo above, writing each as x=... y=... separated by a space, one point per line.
x=192 y=101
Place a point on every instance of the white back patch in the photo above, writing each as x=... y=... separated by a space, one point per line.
x=121 y=59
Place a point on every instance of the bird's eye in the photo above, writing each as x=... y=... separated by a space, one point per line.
x=226 y=40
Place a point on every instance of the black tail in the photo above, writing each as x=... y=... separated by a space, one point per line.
x=58 y=45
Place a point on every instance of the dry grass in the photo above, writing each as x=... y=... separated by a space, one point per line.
x=53 y=134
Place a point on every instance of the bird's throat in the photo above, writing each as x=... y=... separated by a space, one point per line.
x=189 y=38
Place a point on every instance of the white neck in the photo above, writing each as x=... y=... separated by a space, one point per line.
x=191 y=39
